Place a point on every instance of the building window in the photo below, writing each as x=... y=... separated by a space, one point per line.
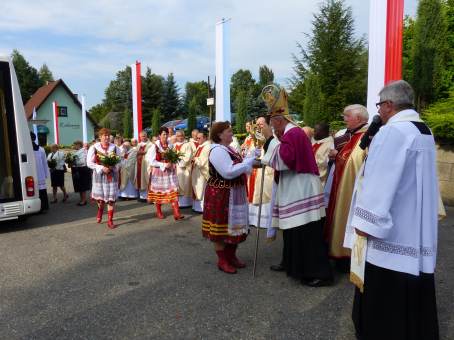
x=63 y=111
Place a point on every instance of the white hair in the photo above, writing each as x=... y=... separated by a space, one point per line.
x=399 y=92
x=358 y=110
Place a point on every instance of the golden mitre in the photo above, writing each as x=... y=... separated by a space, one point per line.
x=276 y=99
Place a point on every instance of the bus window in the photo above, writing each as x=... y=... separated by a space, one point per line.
x=7 y=175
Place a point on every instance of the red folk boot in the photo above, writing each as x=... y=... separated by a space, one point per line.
x=110 y=223
x=176 y=211
x=100 y=212
x=230 y=250
x=223 y=263
x=159 y=211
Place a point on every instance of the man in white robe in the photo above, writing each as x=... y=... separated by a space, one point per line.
x=254 y=206
x=42 y=172
x=142 y=177
x=184 y=170
x=193 y=141
x=394 y=211
x=321 y=145
x=200 y=171
x=127 y=173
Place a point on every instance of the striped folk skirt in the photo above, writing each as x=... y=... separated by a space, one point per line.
x=104 y=187
x=163 y=186
x=225 y=214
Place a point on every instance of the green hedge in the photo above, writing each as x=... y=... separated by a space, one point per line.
x=336 y=125
x=440 y=118
x=442 y=126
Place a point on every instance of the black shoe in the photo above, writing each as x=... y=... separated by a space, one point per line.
x=277 y=267
x=318 y=282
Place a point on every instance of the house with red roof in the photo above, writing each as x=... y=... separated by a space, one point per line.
x=69 y=114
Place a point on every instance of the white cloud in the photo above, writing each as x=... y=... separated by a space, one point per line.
x=85 y=42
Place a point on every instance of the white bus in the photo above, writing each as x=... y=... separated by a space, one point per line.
x=19 y=194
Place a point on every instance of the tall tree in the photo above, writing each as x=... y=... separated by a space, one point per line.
x=45 y=74
x=127 y=124
x=296 y=99
x=314 y=111
x=27 y=76
x=152 y=95
x=266 y=76
x=171 y=102
x=336 y=57
x=197 y=91
x=242 y=105
x=156 y=122
x=98 y=112
x=407 y=57
x=118 y=96
x=449 y=72
x=241 y=81
x=193 y=108
x=429 y=53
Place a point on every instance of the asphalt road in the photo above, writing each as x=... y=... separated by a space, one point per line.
x=63 y=276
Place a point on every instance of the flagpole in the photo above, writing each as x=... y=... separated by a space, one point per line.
x=55 y=114
x=84 y=120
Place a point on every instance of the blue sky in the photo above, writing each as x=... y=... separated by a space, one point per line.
x=86 y=42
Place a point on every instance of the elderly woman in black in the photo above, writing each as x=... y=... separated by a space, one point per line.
x=56 y=162
x=81 y=174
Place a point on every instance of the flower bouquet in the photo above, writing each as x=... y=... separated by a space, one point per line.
x=172 y=156
x=51 y=163
x=70 y=159
x=109 y=161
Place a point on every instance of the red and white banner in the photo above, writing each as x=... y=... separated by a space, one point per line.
x=55 y=114
x=385 y=47
x=136 y=80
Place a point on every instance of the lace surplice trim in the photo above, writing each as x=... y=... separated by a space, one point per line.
x=402 y=250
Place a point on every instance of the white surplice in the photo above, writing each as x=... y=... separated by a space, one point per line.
x=396 y=198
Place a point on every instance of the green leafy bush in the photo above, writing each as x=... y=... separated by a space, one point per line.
x=440 y=118
x=336 y=125
x=442 y=126
x=241 y=137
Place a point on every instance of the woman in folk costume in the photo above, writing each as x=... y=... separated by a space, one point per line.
x=105 y=179
x=164 y=181
x=127 y=173
x=225 y=211
x=81 y=173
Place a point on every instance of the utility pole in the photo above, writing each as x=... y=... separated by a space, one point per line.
x=210 y=102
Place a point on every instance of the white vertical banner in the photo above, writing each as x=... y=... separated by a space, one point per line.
x=377 y=52
x=223 y=71
x=84 y=119
x=55 y=115
x=134 y=101
x=35 y=126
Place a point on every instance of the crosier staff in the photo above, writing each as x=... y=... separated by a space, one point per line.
x=260 y=141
